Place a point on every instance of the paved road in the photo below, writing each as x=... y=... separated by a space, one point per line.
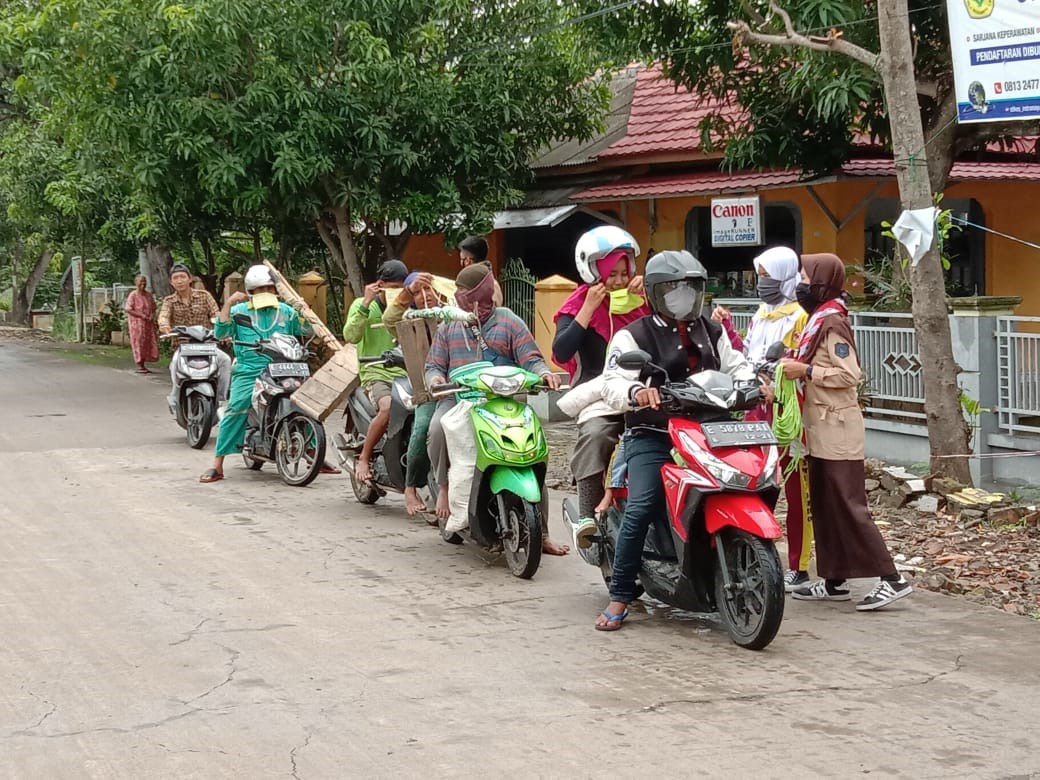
x=155 y=627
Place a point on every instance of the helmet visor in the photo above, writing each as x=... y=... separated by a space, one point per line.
x=679 y=300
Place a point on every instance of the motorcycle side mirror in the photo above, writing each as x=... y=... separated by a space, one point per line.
x=776 y=351
x=242 y=319
x=636 y=360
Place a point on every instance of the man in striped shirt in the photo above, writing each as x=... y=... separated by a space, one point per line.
x=506 y=341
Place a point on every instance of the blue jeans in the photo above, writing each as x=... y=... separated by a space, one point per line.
x=645 y=453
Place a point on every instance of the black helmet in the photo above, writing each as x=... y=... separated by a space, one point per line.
x=675 y=282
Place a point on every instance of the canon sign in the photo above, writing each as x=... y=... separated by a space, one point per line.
x=736 y=221
x=719 y=209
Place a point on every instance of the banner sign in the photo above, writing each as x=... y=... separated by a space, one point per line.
x=736 y=221
x=995 y=46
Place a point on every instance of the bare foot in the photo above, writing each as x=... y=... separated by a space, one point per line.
x=443 y=509
x=604 y=505
x=618 y=610
x=413 y=502
x=549 y=547
x=362 y=469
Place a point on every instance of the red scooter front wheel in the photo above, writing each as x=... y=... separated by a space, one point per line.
x=752 y=605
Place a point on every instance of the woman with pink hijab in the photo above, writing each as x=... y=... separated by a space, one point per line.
x=609 y=298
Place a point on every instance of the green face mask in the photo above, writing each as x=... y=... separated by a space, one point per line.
x=622 y=301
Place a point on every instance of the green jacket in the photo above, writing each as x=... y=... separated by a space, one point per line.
x=371 y=341
x=284 y=319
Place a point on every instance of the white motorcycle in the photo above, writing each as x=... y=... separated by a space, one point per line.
x=194 y=399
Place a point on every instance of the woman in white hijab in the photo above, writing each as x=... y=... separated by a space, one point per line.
x=779 y=318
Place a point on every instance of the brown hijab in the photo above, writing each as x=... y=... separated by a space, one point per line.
x=826 y=274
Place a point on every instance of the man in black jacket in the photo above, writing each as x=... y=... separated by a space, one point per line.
x=683 y=342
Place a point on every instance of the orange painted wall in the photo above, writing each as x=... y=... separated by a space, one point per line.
x=428 y=253
x=1011 y=268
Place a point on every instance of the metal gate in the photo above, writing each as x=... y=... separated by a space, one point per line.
x=518 y=289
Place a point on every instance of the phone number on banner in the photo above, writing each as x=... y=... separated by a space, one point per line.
x=1017 y=86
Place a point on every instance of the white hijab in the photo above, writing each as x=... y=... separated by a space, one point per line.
x=780 y=263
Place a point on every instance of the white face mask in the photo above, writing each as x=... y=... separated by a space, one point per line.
x=683 y=303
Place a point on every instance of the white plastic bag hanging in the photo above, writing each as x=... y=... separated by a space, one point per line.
x=915 y=230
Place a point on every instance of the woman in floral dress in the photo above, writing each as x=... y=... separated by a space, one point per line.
x=140 y=312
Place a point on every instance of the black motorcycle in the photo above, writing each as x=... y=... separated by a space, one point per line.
x=194 y=399
x=390 y=455
x=278 y=430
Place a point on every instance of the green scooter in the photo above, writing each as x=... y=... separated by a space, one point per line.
x=506 y=504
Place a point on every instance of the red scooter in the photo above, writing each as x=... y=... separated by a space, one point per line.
x=714 y=551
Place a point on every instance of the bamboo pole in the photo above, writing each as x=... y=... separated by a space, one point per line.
x=321 y=331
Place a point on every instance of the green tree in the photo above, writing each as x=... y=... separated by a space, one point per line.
x=347 y=115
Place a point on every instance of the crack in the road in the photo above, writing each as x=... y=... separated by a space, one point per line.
x=26 y=732
x=504 y=602
x=232 y=671
x=937 y=675
x=293 y=752
x=188 y=636
x=328 y=556
x=187 y=703
x=756 y=697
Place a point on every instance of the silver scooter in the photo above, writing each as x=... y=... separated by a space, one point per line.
x=194 y=399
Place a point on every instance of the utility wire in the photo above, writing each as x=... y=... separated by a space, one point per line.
x=954 y=218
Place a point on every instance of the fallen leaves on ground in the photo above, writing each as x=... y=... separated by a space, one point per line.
x=992 y=565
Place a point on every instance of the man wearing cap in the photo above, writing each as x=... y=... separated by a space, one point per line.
x=188 y=306
x=364 y=327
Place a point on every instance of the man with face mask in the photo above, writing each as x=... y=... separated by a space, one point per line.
x=683 y=341
x=500 y=337
x=267 y=316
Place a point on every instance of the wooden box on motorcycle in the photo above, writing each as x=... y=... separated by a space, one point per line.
x=414 y=338
x=327 y=387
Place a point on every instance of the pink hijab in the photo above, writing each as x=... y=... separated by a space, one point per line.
x=603 y=322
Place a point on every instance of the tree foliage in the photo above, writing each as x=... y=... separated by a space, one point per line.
x=345 y=115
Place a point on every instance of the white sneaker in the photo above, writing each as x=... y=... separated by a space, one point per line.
x=584 y=530
x=821 y=591
x=883 y=594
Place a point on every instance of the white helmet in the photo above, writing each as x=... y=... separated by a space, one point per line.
x=258 y=276
x=599 y=242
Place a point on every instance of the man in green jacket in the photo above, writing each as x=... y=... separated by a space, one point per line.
x=364 y=327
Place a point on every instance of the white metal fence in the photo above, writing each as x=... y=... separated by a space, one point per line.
x=1018 y=374
x=889 y=356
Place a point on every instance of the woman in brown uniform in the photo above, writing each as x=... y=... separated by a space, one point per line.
x=848 y=544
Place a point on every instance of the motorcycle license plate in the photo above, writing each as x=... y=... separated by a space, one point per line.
x=738 y=434
x=289 y=369
x=198 y=349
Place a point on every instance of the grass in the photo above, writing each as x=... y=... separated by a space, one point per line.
x=102 y=355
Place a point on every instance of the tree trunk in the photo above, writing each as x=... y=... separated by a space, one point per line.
x=154 y=261
x=23 y=291
x=339 y=240
x=948 y=433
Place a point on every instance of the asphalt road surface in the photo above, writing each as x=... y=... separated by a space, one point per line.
x=155 y=627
